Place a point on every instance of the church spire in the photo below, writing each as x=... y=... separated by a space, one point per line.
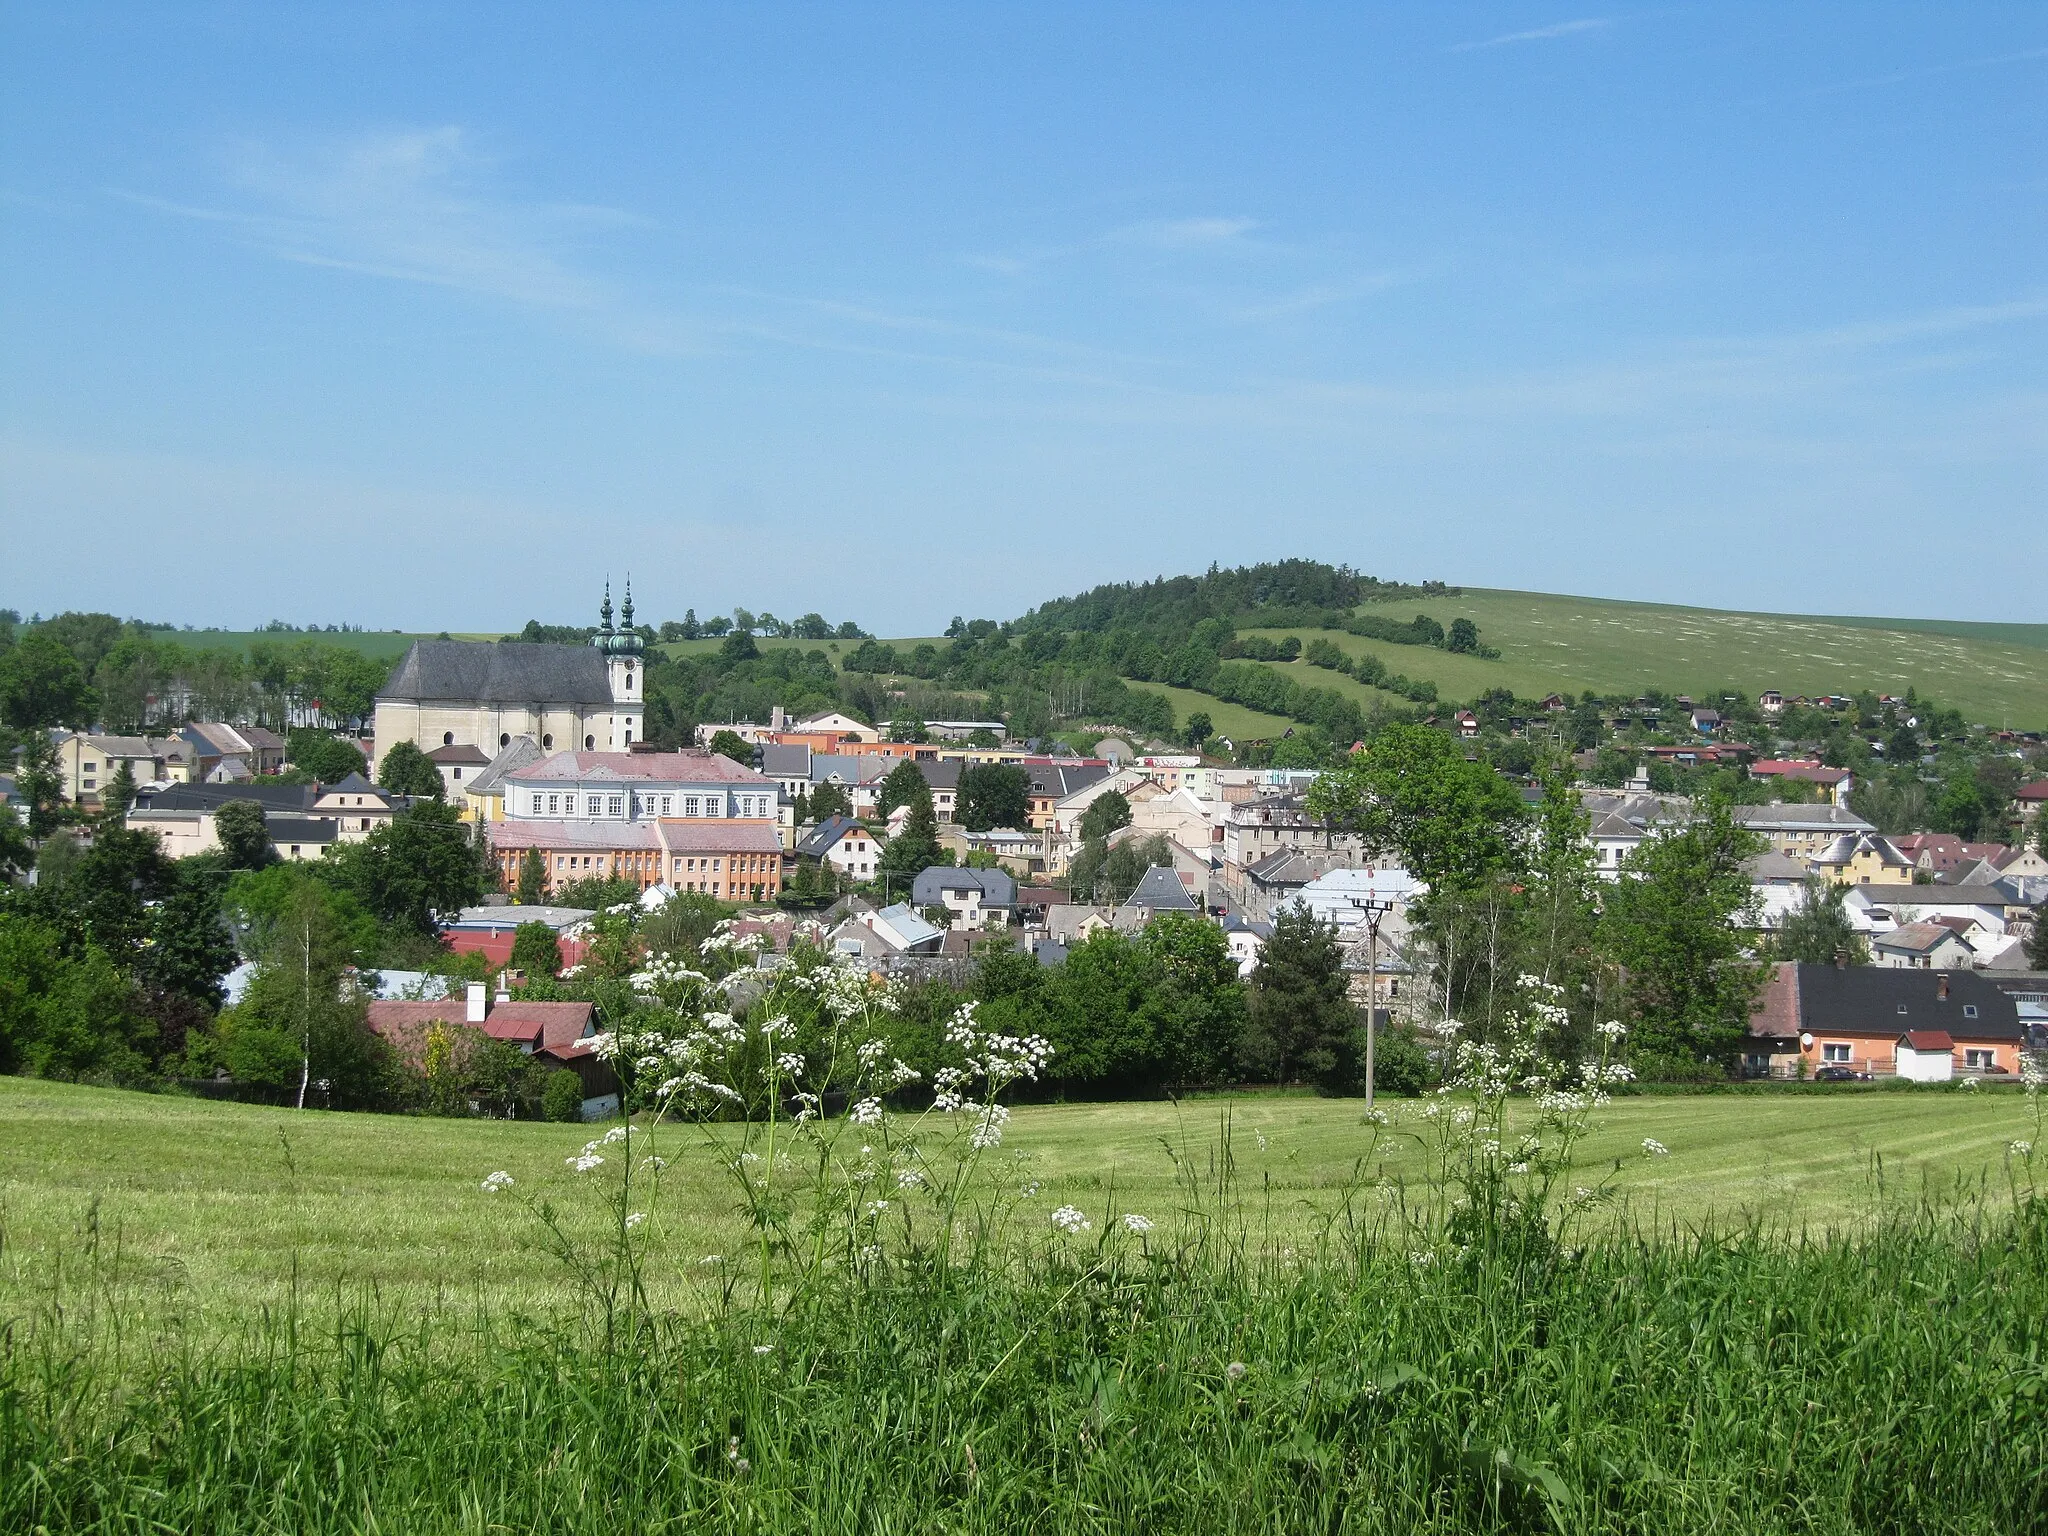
x=606 y=611
x=626 y=613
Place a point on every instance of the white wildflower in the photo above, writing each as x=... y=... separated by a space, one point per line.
x=497 y=1182
x=1655 y=1148
x=2016 y=1148
x=909 y=1178
x=764 y=1349
x=613 y=1136
x=587 y=1163
x=1068 y=1219
x=635 y=1219
x=876 y=1207
x=1967 y=1082
x=868 y=1112
x=1136 y=1223
x=710 y=1259
x=1422 y=1259
x=1235 y=1370
x=1613 y=1029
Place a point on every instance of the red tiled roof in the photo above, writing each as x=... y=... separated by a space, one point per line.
x=716 y=836
x=1928 y=1040
x=1787 y=768
x=2038 y=790
x=547 y=1025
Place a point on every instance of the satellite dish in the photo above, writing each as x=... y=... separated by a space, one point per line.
x=1806 y=1040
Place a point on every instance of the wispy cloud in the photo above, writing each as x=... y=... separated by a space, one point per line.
x=1556 y=29
x=1184 y=234
x=418 y=206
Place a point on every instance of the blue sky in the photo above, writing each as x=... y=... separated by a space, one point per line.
x=433 y=316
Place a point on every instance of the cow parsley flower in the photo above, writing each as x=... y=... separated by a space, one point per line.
x=635 y=1219
x=2016 y=1148
x=589 y=1162
x=1136 y=1223
x=1655 y=1148
x=1069 y=1220
x=867 y=1112
x=497 y=1182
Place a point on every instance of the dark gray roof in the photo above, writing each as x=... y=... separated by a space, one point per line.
x=1059 y=780
x=301 y=829
x=997 y=888
x=489 y=672
x=1870 y=998
x=521 y=752
x=941 y=773
x=1162 y=891
x=285 y=798
x=826 y=833
x=781 y=762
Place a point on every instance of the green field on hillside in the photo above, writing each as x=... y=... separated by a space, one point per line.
x=1232 y=720
x=380 y=645
x=1994 y=673
x=225 y=1202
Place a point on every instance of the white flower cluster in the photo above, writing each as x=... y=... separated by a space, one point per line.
x=1069 y=1220
x=2016 y=1148
x=995 y=1061
x=1655 y=1148
x=498 y=1182
x=1133 y=1222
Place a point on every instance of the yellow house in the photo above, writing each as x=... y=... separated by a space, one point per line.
x=89 y=763
x=1864 y=859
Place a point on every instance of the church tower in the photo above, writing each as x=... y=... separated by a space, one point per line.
x=622 y=648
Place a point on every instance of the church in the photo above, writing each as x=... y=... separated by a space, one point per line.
x=447 y=695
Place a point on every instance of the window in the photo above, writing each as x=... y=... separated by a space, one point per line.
x=593 y=806
x=689 y=805
x=505 y=739
x=666 y=801
x=536 y=802
x=712 y=806
x=589 y=742
x=547 y=742
x=1969 y=1010
x=447 y=738
x=1979 y=1060
x=1835 y=1053
x=554 y=804
x=615 y=805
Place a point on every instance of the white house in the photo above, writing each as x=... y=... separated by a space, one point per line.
x=638 y=786
x=1922 y=947
x=842 y=843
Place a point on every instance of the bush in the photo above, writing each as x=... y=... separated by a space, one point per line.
x=562 y=1098
x=1401 y=1064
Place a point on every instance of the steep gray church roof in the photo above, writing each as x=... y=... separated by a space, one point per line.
x=488 y=672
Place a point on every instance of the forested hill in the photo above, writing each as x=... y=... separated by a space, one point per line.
x=1168 y=608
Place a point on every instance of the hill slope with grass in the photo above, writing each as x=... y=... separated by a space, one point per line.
x=1994 y=673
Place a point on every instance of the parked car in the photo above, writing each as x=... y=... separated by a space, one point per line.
x=1840 y=1075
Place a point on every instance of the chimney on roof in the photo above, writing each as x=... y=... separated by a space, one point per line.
x=504 y=994
x=778 y=717
x=1841 y=959
x=1941 y=989
x=477 y=1008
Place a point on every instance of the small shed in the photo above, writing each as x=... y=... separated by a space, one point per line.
x=1925 y=1056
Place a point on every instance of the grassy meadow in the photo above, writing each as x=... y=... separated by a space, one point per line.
x=1853 y=1356
x=1996 y=673
x=227 y=1202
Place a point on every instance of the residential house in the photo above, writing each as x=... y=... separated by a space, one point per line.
x=1160 y=891
x=885 y=935
x=960 y=730
x=942 y=778
x=491 y=929
x=1254 y=828
x=1279 y=878
x=1246 y=937
x=2029 y=799
x=1803 y=831
x=1991 y=908
x=1132 y=783
x=972 y=898
x=1053 y=782
x=1620 y=821
x=1027 y=855
x=446 y=693
x=845 y=845
x=1770 y=702
x=1706 y=722
x=298 y=838
x=1080 y=921
x=88 y=762
x=1926 y=946
x=1179 y=770
x=181 y=815
x=12 y=801
x=357 y=806
x=1944 y=855
x=457 y=763
x=1863 y=858
x=1811 y=1016
x=214 y=742
x=842 y=727
x=1837 y=782
x=858 y=776
x=561 y=1034
x=1188 y=819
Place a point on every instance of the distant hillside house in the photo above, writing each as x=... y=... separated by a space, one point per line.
x=474 y=693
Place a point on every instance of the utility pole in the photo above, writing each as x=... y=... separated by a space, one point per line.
x=1374 y=912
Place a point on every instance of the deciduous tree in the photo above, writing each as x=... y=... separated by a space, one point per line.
x=406 y=771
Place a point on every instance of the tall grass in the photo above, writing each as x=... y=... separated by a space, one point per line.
x=1184 y=1380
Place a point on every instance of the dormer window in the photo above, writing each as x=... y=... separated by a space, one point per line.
x=1969 y=1010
